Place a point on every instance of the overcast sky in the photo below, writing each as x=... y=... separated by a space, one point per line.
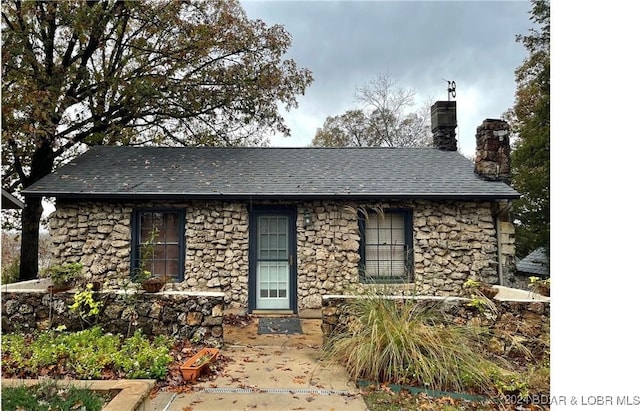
x=347 y=43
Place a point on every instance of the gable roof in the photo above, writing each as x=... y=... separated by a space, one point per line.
x=234 y=173
x=536 y=263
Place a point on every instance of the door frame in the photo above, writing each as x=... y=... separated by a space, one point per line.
x=291 y=214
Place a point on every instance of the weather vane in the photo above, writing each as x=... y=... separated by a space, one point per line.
x=451 y=89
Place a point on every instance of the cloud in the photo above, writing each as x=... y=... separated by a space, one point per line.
x=346 y=44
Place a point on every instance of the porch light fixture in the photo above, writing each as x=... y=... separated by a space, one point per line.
x=306 y=217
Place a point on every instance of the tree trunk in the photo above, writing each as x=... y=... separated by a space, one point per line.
x=30 y=238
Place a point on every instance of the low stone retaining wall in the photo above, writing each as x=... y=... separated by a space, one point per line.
x=526 y=321
x=179 y=314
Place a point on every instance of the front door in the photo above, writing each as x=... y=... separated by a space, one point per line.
x=272 y=276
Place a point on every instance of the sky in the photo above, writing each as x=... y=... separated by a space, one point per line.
x=419 y=44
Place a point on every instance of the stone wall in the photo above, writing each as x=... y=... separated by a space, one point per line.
x=99 y=236
x=452 y=241
x=182 y=315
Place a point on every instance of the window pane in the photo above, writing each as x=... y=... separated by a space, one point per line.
x=159 y=268
x=385 y=248
x=173 y=268
x=172 y=252
x=171 y=235
x=165 y=250
x=159 y=252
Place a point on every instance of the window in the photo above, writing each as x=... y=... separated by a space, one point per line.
x=161 y=232
x=386 y=254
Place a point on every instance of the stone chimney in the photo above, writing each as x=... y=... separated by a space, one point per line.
x=443 y=125
x=493 y=154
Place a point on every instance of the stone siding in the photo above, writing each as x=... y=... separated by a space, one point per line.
x=184 y=315
x=452 y=241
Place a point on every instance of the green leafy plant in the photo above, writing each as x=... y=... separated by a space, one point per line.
x=540 y=286
x=471 y=283
x=475 y=286
x=149 y=282
x=64 y=274
x=478 y=303
x=86 y=354
x=481 y=295
x=513 y=385
x=141 y=272
x=141 y=358
x=84 y=305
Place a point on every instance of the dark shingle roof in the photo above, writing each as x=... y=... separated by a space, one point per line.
x=10 y=202
x=536 y=263
x=169 y=172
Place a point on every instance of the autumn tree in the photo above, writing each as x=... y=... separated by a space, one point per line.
x=383 y=119
x=81 y=73
x=530 y=119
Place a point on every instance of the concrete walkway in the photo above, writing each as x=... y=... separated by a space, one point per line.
x=270 y=372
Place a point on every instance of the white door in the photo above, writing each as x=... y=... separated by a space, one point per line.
x=273 y=263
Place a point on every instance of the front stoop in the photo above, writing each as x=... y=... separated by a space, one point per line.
x=133 y=395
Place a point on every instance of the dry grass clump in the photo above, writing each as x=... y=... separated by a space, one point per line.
x=404 y=342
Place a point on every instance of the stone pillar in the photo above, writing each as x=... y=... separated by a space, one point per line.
x=443 y=125
x=493 y=154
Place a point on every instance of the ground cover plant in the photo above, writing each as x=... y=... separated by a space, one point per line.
x=87 y=354
x=49 y=396
x=93 y=354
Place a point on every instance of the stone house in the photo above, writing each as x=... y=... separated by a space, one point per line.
x=275 y=229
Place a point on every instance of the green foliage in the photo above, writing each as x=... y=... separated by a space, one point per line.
x=534 y=381
x=64 y=274
x=84 y=304
x=48 y=395
x=11 y=272
x=477 y=303
x=382 y=120
x=86 y=354
x=141 y=272
x=140 y=358
x=540 y=286
x=530 y=120
x=78 y=73
x=401 y=342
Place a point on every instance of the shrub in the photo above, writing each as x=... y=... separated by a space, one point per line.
x=404 y=342
x=64 y=274
x=11 y=272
